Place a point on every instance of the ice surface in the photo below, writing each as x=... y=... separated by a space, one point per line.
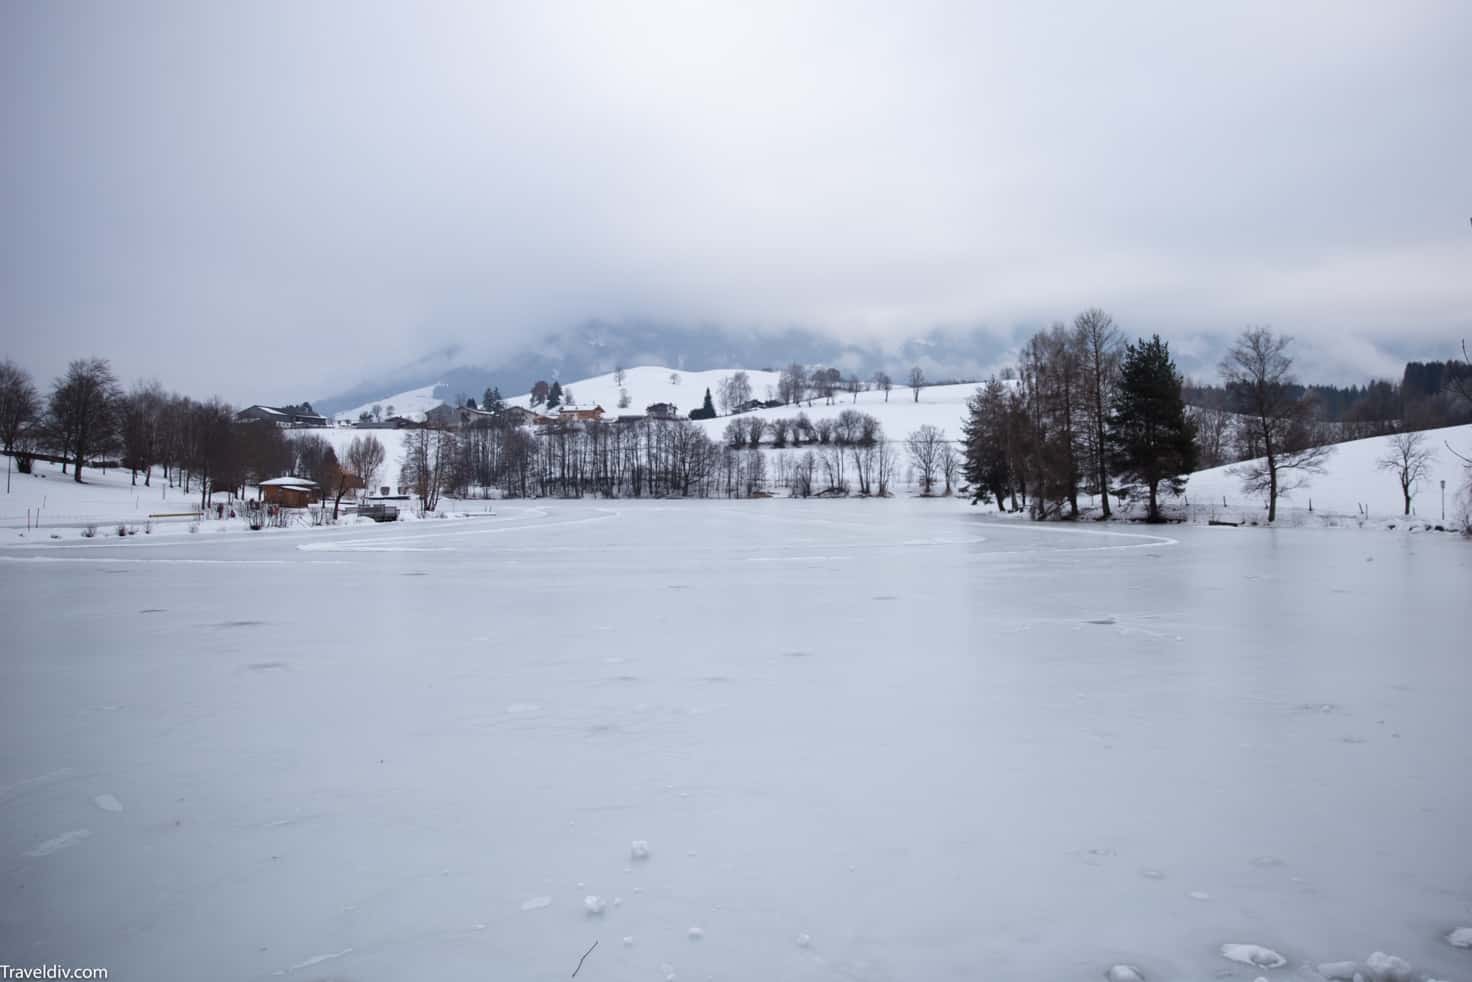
x=964 y=782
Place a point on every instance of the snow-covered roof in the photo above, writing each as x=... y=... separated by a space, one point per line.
x=288 y=482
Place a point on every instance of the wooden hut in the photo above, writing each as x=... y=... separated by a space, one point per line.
x=290 y=492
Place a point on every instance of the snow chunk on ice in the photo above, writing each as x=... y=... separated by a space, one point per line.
x=1199 y=895
x=804 y=940
x=1254 y=955
x=1460 y=938
x=629 y=941
x=1388 y=968
x=696 y=934
x=1124 y=973
x=594 y=905
x=639 y=849
x=536 y=903
x=107 y=803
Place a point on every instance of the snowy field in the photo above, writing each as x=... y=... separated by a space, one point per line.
x=862 y=740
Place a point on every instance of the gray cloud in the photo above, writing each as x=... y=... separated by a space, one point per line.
x=268 y=200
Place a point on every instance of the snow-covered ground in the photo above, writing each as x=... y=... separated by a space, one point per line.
x=1351 y=479
x=107 y=497
x=862 y=740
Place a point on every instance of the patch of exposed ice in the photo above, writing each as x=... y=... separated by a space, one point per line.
x=1255 y=955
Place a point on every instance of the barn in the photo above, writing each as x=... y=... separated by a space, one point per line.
x=290 y=492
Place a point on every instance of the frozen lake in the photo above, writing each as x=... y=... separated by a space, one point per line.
x=863 y=740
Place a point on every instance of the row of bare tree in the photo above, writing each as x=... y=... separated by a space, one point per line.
x=88 y=418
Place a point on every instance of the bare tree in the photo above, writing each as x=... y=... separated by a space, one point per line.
x=1258 y=373
x=365 y=455
x=853 y=386
x=756 y=428
x=623 y=399
x=950 y=464
x=1213 y=434
x=83 y=410
x=1409 y=457
x=733 y=391
x=917 y=381
x=19 y=404
x=141 y=413
x=883 y=383
x=792 y=383
x=925 y=446
x=674 y=378
x=619 y=375
x=1099 y=345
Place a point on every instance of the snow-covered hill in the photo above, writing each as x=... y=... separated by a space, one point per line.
x=412 y=404
x=648 y=384
x=943 y=406
x=1351 y=479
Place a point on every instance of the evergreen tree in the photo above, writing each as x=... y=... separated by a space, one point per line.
x=1151 y=439
x=492 y=402
x=554 y=395
x=986 y=463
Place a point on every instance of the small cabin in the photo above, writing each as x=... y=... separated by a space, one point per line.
x=290 y=492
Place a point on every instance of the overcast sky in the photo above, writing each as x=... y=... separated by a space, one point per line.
x=261 y=200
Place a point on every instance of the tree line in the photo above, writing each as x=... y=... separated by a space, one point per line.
x=88 y=419
x=1085 y=413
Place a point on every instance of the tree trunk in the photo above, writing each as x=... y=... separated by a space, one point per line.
x=1154 y=506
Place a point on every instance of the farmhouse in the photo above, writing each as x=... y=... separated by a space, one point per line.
x=302 y=415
